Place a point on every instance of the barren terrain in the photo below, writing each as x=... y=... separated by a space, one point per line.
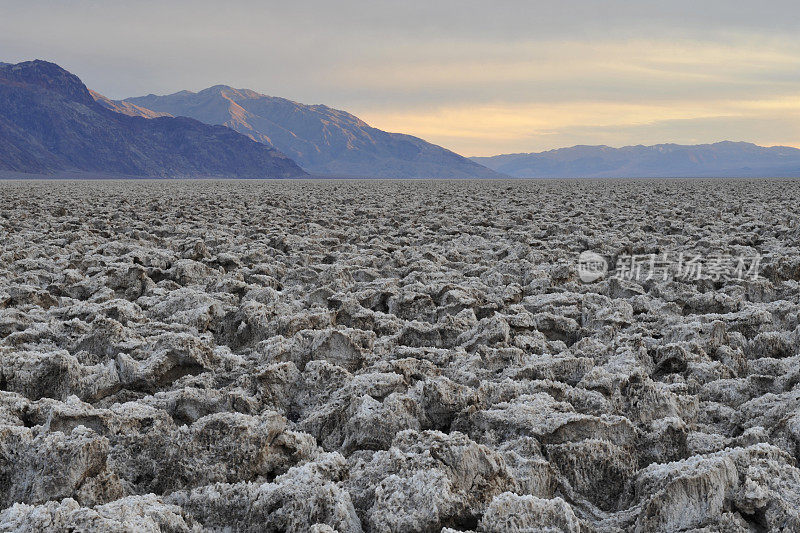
x=394 y=356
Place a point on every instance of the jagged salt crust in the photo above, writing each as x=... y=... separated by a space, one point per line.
x=395 y=356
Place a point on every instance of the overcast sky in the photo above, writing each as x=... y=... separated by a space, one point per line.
x=481 y=78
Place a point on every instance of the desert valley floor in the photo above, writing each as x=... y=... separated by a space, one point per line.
x=396 y=356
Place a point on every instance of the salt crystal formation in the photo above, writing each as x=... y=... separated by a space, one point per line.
x=395 y=356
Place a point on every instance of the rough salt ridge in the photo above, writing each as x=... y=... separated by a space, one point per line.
x=395 y=356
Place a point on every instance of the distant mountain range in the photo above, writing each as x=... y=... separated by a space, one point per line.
x=51 y=123
x=125 y=108
x=723 y=159
x=320 y=139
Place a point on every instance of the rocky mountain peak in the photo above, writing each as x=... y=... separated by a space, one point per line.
x=321 y=139
x=47 y=76
x=42 y=131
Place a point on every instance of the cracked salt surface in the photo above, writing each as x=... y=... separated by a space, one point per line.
x=395 y=356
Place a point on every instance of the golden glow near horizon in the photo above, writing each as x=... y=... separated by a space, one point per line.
x=476 y=77
x=494 y=129
x=683 y=102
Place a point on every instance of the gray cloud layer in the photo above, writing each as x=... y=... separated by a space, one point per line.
x=398 y=63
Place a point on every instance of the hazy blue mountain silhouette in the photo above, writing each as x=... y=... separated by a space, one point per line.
x=723 y=159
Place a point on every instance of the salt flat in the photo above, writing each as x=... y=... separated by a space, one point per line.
x=380 y=356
